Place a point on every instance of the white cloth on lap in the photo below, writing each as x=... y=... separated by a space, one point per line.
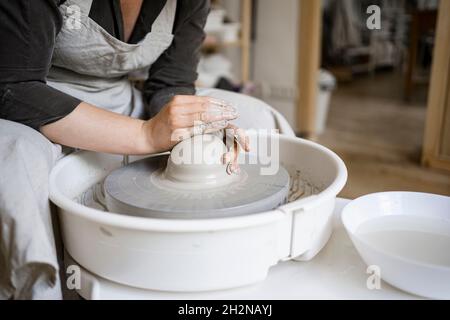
x=28 y=264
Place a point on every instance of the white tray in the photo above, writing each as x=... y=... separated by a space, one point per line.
x=337 y=272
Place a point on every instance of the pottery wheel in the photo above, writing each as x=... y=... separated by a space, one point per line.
x=157 y=187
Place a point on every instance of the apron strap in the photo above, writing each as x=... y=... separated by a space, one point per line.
x=84 y=5
x=166 y=18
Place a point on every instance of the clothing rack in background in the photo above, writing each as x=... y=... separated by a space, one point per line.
x=350 y=47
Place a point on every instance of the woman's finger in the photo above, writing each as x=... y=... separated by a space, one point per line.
x=239 y=139
x=186 y=99
x=189 y=120
x=202 y=128
x=232 y=164
x=203 y=105
x=190 y=99
x=240 y=136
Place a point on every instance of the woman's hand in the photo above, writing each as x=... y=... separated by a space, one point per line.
x=238 y=139
x=185 y=116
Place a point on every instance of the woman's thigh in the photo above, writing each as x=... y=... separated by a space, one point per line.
x=26 y=157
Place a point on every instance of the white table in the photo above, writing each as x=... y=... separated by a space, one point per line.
x=337 y=272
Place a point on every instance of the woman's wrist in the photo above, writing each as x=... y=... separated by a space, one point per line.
x=145 y=143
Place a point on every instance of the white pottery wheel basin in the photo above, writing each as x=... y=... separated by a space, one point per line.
x=196 y=254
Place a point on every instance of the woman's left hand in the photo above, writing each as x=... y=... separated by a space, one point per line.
x=239 y=140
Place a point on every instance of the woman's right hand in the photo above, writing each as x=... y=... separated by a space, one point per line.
x=92 y=128
x=184 y=116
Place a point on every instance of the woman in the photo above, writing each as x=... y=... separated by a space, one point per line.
x=65 y=69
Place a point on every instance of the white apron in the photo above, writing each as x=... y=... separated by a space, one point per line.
x=93 y=66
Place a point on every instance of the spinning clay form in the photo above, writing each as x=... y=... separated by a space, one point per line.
x=192 y=183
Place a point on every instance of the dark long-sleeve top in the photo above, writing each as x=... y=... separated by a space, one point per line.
x=28 y=29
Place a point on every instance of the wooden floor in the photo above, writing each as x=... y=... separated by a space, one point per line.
x=379 y=137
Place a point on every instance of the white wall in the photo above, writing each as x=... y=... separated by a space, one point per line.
x=275 y=54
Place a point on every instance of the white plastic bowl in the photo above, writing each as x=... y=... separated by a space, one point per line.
x=195 y=255
x=407 y=247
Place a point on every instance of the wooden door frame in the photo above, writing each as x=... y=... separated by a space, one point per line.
x=246 y=21
x=308 y=63
x=439 y=93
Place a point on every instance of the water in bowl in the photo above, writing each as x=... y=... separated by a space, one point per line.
x=416 y=238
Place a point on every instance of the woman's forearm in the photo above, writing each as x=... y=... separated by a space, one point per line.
x=96 y=129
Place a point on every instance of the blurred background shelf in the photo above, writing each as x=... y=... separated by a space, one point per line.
x=225 y=31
